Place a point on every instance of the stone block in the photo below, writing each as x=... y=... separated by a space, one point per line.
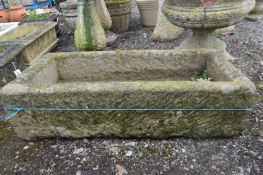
x=139 y=82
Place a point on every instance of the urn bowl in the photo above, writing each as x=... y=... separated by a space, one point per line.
x=198 y=14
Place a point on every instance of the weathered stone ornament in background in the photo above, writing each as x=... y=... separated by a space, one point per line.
x=164 y=30
x=89 y=33
x=120 y=11
x=106 y=21
x=204 y=16
x=69 y=12
x=103 y=14
x=257 y=12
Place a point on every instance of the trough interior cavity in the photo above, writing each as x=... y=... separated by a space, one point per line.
x=20 y=32
x=127 y=66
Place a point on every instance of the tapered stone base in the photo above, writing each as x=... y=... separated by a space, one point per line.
x=203 y=39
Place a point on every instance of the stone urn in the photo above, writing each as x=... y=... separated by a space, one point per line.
x=257 y=12
x=204 y=17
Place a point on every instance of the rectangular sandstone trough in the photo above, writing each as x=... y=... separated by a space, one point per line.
x=136 y=80
x=10 y=59
x=37 y=37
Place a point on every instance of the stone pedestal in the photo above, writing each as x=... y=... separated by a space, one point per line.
x=257 y=12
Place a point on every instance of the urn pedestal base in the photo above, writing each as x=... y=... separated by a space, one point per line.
x=206 y=40
x=203 y=39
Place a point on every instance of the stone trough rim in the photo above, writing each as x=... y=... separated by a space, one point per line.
x=24 y=86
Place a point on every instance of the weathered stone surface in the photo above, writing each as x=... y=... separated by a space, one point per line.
x=89 y=34
x=103 y=14
x=110 y=37
x=37 y=37
x=164 y=30
x=120 y=11
x=69 y=12
x=129 y=79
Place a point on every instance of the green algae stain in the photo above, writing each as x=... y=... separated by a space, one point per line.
x=4 y=132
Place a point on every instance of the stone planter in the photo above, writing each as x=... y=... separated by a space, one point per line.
x=37 y=37
x=204 y=18
x=120 y=11
x=10 y=59
x=257 y=12
x=144 y=84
